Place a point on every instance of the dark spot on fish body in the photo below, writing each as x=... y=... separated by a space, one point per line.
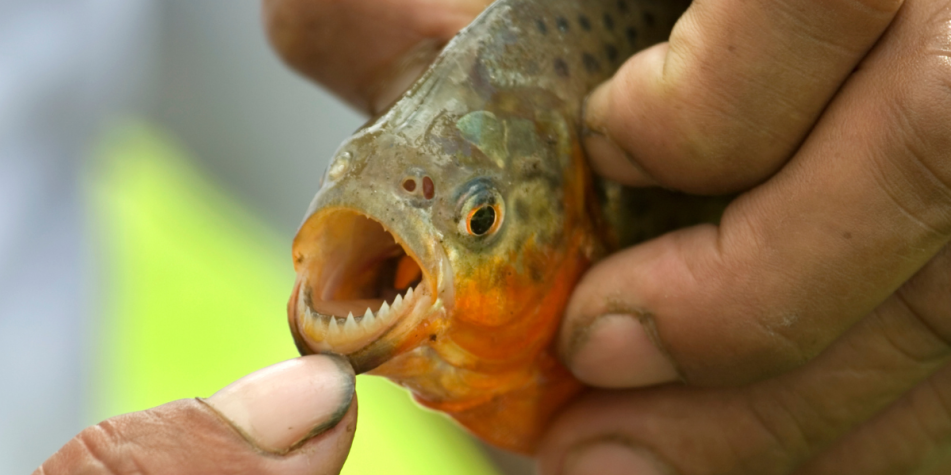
x=608 y=21
x=522 y=210
x=631 y=34
x=584 y=22
x=432 y=337
x=562 y=24
x=622 y=6
x=648 y=18
x=561 y=67
x=611 y=52
x=590 y=63
x=537 y=274
x=542 y=28
x=847 y=235
x=429 y=188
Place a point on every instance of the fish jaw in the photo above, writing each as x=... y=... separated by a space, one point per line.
x=345 y=300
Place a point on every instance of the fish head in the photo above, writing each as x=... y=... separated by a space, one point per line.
x=448 y=231
x=430 y=223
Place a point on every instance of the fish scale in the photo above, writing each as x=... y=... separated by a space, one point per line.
x=477 y=173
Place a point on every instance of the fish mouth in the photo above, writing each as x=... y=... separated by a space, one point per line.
x=359 y=290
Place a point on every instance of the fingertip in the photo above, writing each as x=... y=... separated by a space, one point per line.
x=619 y=351
x=284 y=405
x=612 y=115
x=611 y=458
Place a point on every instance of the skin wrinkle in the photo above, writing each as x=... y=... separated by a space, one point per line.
x=886 y=334
x=87 y=442
x=894 y=194
x=136 y=458
x=895 y=451
x=819 y=441
x=915 y=141
x=782 y=334
x=775 y=336
x=803 y=24
x=925 y=323
x=804 y=28
x=942 y=399
x=762 y=415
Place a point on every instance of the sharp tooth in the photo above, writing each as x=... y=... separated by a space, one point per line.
x=384 y=312
x=333 y=328
x=368 y=319
x=409 y=294
x=351 y=324
x=397 y=301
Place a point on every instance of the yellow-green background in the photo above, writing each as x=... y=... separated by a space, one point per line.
x=194 y=293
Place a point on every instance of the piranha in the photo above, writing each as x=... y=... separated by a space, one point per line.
x=448 y=233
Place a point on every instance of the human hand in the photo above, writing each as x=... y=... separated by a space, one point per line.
x=812 y=326
x=295 y=417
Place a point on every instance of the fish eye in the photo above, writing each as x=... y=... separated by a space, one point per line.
x=482 y=220
x=481 y=209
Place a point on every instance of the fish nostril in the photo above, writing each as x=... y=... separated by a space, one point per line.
x=429 y=189
x=409 y=185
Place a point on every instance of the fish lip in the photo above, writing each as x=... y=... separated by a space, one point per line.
x=398 y=335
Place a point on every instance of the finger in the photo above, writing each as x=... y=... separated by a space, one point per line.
x=366 y=51
x=911 y=435
x=296 y=417
x=914 y=432
x=732 y=95
x=864 y=204
x=774 y=426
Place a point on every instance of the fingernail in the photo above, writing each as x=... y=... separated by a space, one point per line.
x=616 y=351
x=284 y=405
x=606 y=156
x=611 y=458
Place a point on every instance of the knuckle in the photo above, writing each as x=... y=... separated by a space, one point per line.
x=724 y=149
x=774 y=349
x=928 y=112
x=101 y=446
x=916 y=175
x=776 y=413
x=694 y=136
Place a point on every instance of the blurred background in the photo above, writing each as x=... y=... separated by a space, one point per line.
x=156 y=159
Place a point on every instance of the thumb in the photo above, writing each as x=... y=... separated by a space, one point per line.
x=294 y=417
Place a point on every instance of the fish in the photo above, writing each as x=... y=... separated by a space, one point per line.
x=448 y=232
